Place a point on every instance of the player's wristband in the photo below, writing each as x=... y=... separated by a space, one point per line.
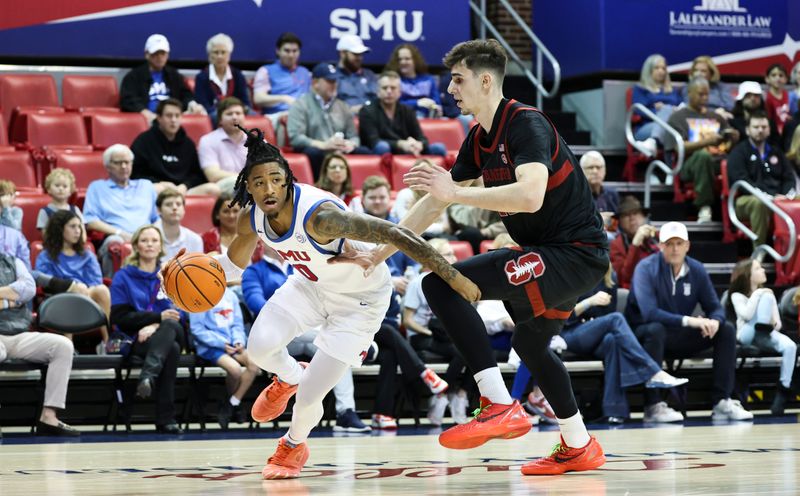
x=232 y=271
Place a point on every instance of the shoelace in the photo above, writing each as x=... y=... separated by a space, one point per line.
x=477 y=412
x=558 y=448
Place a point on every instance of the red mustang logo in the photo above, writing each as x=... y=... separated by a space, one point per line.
x=524 y=268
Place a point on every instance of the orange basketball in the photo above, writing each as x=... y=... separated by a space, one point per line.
x=195 y=282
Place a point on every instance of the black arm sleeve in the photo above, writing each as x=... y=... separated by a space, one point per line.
x=129 y=320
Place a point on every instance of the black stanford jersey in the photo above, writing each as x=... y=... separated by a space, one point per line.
x=521 y=134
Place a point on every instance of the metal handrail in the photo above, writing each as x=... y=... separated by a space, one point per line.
x=670 y=171
x=760 y=250
x=536 y=80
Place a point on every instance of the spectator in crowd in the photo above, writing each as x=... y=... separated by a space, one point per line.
x=65 y=256
x=387 y=126
x=749 y=99
x=605 y=198
x=406 y=198
x=358 y=84
x=220 y=80
x=219 y=339
x=14 y=243
x=221 y=152
x=148 y=84
x=167 y=156
x=793 y=153
x=278 y=85
x=10 y=215
x=417 y=319
x=334 y=177
x=654 y=91
x=319 y=123
x=720 y=99
x=777 y=102
x=794 y=95
x=225 y=218
x=108 y=206
x=59 y=184
x=636 y=240
x=754 y=161
x=16 y=290
x=140 y=310
x=596 y=329
x=758 y=323
x=418 y=89
x=666 y=288
x=707 y=137
x=171 y=207
x=474 y=225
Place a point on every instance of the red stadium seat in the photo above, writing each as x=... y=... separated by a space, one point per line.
x=461 y=249
x=196 y=126
x=26 y=90
x=301 y=167
x=403 y=163
x=486 y=245
x=110 y=128
x=18 y=131
x=198 y=213
x=363 y=166
x=3 y=132
x=80 y=92
x=86 y=166
x=17 y=167
x=263 y=123
x=54 y=129
x=447 y=131
x=31 y=203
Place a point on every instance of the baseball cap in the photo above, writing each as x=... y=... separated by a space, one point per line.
x=326 y=70
x=749 y=87
x=156 y=42
x=351 y=43
x=673 y=230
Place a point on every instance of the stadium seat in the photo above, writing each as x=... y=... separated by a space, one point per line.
x=54 y=129
x=80 y=92
x=486 y=245
x=196 y=126
x=363 y=166
x=461 y=249
x=403 y=163
x=26 y=90
x=31 y=203
x=18 y=131
x=4 y=146
x=447 y=131
x=107 y=129
x=786 y=273
x=263 y=123
x=18 y=168
x=198 y=213
x=301 y=167
x=86 y=166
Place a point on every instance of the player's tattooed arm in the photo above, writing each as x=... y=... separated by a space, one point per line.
x=331 y=222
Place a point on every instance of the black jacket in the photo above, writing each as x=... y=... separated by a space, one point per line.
x=134 y=94
x=375 y=126
x=773 y=175
x=157 y=159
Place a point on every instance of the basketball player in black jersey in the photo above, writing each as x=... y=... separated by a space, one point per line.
x=516 y=163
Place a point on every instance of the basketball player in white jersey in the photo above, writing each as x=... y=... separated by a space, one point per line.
x=308 y=227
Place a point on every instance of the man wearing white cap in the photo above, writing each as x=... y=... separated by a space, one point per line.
x=357 y=85
x=146 y=85
x=750 y=97
x=666 y=288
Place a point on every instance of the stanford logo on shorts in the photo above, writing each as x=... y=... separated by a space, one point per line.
x=524 y=268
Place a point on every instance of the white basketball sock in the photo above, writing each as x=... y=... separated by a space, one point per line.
x=491 y=385
x=574 y=431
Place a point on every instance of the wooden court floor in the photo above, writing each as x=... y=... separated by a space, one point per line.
x=735 y=459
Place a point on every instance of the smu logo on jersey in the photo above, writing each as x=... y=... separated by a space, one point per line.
x=524 y=268
x=362 y=22
x=296 y=256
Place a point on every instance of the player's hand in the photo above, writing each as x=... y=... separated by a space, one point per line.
x=349 y=254
x=163 y=272
x=432 y=179
x=466 y=288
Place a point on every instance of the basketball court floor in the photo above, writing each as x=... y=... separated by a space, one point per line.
x=696 y=458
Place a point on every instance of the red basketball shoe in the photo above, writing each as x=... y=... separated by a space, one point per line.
x=566 y=459
x=272 y=401
x=287 y=462
x=490 y=421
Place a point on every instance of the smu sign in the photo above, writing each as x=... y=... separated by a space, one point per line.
x=391 y=25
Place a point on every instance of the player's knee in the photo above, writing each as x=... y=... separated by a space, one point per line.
x=262 y=344
x=433 y=286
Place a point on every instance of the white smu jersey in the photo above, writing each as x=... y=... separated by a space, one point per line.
x=309 y=259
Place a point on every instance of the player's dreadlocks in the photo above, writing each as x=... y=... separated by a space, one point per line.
x=259 y=151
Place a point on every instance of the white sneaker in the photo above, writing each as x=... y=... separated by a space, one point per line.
x=729 y=409
x=436 y=407
x=458 y=407
x=660 y=412
x=383 y=422
x=649 y=147
x=704 y=215
x=664 y=380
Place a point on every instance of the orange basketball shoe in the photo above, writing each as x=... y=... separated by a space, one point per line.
x=287 y=462
x=272 y=401
x=566 y=459
x=490 y=421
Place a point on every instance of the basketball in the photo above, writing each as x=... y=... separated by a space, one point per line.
x=195 y=282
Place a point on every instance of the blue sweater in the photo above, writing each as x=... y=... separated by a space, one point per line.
x=136 y=300
x=649 y=99
x=654 y=297
x=219 y=326
x=422 y=86
x=259 y=282
x=82 y=268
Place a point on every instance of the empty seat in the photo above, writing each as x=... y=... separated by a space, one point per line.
x=263 y=123
x=461 y=249
x=363 y=166
x=301 y=167
x=18 y=131
x=447 y=131
x=196 y=126
x=26 y=89
x=403 y=163
x=111 y=128
x=31 y=203
x=53 y=129
x=89 y=91
x=86 y=166
x=18 y=168
x=198 y=213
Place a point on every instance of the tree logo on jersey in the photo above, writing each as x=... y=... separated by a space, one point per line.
x=300 y=238
x=524 y=268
